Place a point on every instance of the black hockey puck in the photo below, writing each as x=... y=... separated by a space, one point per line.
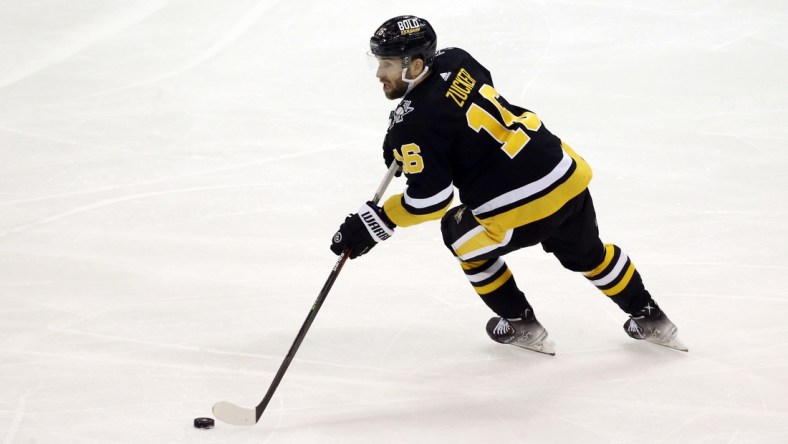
x=203 y=423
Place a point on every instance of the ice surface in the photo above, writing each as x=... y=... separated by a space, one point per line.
x=171 y=173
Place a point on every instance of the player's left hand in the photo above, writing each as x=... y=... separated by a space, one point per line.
x=362 y=231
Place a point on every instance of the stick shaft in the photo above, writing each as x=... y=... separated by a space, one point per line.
x=318 y=303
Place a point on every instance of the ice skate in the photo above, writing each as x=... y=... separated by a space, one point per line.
x=525 y=332
x=653 y=325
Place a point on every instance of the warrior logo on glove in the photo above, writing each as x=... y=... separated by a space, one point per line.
x=362 y=231
x=371 y=222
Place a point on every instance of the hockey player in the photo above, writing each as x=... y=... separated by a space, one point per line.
x=519 y=184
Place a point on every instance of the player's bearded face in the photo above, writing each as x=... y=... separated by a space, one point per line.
x=389 y=72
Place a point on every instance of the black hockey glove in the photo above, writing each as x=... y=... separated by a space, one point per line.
x=362 y=231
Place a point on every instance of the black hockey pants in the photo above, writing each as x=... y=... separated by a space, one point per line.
x=571 y=234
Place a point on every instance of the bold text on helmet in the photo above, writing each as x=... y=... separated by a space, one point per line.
x=409 y=26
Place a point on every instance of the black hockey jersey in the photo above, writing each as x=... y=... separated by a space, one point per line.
x=455 y=130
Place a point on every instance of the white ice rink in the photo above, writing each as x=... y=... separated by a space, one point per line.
x=171 y=173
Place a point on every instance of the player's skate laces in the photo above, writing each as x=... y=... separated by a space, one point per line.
x=525 y=332
x=651 y=324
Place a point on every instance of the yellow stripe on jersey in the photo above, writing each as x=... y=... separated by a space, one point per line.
x=546 y=205
x=610 y=251
x=403 y=218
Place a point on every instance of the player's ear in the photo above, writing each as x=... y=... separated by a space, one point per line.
x=416 y=67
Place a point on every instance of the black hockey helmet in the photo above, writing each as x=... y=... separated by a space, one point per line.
x=405 y=36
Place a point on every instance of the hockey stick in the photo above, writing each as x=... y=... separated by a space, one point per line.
x=237 y=415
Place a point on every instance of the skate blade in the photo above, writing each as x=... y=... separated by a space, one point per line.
x=674 y=344
x=545 y=347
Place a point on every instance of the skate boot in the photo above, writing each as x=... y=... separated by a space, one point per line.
x=653 y=325
x=525 y=332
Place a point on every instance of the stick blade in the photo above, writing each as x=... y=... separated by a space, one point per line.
x=233 y=414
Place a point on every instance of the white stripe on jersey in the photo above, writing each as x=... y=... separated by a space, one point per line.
x=440 y=197
x=528 y=190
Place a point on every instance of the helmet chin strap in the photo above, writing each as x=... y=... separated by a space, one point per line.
x=412 y=82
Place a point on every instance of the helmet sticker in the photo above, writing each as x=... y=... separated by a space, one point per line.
x=409 y=26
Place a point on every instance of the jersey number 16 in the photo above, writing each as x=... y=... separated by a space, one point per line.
x=500 y=127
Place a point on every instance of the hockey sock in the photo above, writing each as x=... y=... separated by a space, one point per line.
x=617 y=278
x=493 y=281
